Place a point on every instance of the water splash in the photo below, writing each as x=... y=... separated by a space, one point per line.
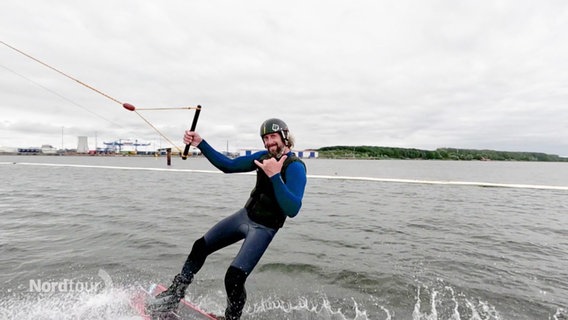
x=303 y=308
x=444 y=303
x=561 y=314
x=109 y=304
x=431 y=302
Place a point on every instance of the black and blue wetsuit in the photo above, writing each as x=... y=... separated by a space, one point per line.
x=271 y=202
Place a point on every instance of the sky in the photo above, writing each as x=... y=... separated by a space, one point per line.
x=406 y=73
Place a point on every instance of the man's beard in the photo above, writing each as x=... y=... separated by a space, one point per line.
x=276 y=152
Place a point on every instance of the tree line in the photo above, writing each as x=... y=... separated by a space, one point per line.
x=372 y=152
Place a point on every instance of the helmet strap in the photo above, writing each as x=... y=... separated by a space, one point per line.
x=284 y=135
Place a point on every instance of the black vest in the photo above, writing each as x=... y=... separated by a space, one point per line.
x=262 y=206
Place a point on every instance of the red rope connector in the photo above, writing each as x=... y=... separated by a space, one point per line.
x=128 y=106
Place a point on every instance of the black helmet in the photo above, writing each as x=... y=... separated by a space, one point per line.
x=275 y=125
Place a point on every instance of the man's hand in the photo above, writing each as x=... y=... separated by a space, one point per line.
x=192 y=137
x=271 y=166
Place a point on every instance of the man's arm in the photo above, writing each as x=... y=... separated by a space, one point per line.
x=226 y=164
x=289 y=195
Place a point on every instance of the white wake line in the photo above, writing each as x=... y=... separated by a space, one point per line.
x=312 y=176
x=457 y=183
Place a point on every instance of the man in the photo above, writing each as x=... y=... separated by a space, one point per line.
x=280 y=184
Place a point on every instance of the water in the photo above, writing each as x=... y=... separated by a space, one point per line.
x=359 y=249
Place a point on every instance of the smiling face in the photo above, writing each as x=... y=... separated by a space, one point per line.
x=274 y=144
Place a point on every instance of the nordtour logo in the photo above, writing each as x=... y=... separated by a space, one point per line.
x=71 y=285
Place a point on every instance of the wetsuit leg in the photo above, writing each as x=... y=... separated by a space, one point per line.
x=226 y=232
x=222 y=234
x=236 y=294
x=196 y=258
x=256 y=242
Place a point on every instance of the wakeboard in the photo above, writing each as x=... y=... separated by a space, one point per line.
x=185 y=311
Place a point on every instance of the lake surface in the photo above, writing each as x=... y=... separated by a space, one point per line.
x=374 y=239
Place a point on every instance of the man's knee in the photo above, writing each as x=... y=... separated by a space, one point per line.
x=196 y=258
x=199 y=250
x=235 y=279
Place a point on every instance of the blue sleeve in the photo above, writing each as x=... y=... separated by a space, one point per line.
x=226 y=164
x=289 y=195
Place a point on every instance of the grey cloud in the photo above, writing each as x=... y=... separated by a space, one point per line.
x=409 y=73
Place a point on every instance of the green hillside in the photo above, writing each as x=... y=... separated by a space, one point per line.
x=371 y=152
